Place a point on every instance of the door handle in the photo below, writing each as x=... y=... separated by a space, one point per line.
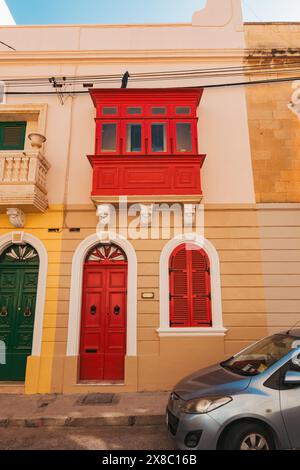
x=3 y=311
x=117 y=310
x=93 y=309
x=27 y=312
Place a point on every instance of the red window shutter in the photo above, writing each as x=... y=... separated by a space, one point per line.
x=190 y=288
x=179 y=302
x=201 y=290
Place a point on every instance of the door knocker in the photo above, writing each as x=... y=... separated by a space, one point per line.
x=117 y=310
x=3 y=311
x=93 y=310
x=27 y=312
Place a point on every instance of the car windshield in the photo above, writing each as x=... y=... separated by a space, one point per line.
x=262 y=355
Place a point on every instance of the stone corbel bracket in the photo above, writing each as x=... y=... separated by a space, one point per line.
x=189 y=215
x=294 y=104
x=104 y=212
x=146 y=214
x=16 y=217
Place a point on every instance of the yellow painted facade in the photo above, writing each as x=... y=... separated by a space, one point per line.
x=40 y=369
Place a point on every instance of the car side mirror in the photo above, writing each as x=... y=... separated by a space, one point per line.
x=292 y=378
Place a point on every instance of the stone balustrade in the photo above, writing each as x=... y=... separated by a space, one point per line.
x=23 y=179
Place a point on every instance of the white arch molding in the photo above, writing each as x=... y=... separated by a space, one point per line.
x=76 y=291
x=217 y=328
x=5 y=242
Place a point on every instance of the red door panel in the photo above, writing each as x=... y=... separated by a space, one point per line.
x=92 y=351
x=103 y=326
x=116 y=324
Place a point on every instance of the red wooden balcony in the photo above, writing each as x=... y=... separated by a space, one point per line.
x=146 y=145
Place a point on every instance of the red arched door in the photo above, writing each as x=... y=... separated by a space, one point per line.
x=190 y=287
x=103 y=321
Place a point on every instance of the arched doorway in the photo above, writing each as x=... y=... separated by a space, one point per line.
x=104 y=312
x=19 y=271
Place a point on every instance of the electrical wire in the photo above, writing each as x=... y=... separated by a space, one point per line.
x=216 y=85
x=7 y=45
x=205 y=72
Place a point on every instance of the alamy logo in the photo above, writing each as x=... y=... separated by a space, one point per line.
x=2 y=353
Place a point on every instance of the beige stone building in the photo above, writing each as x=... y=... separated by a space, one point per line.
x=86 y=309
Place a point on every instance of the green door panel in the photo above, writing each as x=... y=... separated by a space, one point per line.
x=18 y=287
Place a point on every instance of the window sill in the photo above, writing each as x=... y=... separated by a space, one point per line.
x=188 y=332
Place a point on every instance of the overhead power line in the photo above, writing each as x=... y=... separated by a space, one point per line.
x=88 y=81
x=287 y=67
x=216 y=85
x=7 y=45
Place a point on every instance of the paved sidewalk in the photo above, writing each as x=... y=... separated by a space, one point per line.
x=128 y=409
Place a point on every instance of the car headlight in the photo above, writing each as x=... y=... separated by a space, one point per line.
x=204 y=405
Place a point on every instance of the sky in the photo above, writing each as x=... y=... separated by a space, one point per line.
x=139 y=11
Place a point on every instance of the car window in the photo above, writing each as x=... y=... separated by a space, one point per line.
x=261 y=356
x=294 y=364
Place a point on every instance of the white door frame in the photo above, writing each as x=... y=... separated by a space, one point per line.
x=76 y=292
x=5 y=242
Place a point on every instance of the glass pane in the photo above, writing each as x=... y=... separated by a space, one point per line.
x=183 y=137
x=134 y=138
x=109 y=137
x=158 y=137
x=183 y=110
x=110 y=111
x=158 y=110
x=134 y=110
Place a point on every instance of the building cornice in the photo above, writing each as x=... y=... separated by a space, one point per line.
x=205 y=55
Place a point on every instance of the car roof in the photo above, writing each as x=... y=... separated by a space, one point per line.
x=291 y=332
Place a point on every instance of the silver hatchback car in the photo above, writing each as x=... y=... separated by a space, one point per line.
x=248 y=402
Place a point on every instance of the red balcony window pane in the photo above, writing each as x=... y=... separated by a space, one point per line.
x=158 y=110
x=183 y=110
x=109 y=111
x=184 y=137
x=109 y=137
x=137 y=111
x=134 y=137
x=158 y=137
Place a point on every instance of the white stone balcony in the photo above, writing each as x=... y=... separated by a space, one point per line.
x=23 y=180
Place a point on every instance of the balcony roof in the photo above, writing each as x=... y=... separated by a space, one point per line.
x=187 y=94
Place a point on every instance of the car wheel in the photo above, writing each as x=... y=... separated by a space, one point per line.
x=248 y=436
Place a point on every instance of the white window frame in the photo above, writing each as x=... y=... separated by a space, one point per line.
x=217 y=328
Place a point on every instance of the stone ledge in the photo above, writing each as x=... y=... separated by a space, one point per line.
x=87 y=421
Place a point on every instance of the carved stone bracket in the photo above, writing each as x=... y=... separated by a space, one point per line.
x=294 y=104
x=104 y=212
x=189 y=215
x=16 y=217
x=146 y=214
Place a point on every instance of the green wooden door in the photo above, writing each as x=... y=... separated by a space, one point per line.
x=19 y=266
